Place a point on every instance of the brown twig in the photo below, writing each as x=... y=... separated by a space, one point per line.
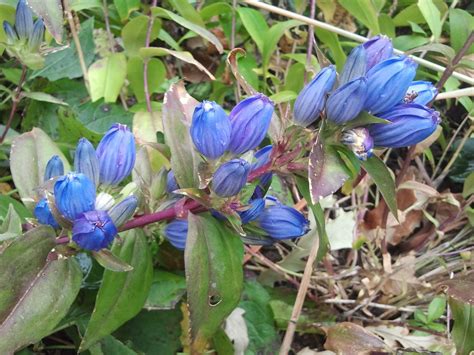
x=16 y=99
x=145 y=61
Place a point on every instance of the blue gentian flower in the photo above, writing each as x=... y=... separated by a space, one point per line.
x=210 y=129
x=387 y=83
x=43 y=214
x=23 y=20
x=36 y=37
x=54 y=167
x=230 y=177
x=171 y=183
x=74 y=194
x=250 y=120
x=86 y=161
x=254 y=209
x=123 y=211
x=283 y=222
x=176 y=232
x=410 y=124
x=93 y=230
x=116 y=153
x=262 y=157
x=359 y=141
x=420 y=92
x=311 y=100
x=347 y=101
x=355 y=66
x=377 y=49
x=12 y=37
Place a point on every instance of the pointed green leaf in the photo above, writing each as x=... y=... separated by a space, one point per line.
x=432 y=16
x=364 y=11
x=107 y=76
x=11 y=225
x=51 y=11
x=122 y=294
x=125 y=7
x=213 y=261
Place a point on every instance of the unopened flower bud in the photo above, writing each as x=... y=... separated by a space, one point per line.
x=54 y=167
x=176 y=232
x=104 y=201
x=359 y=141
x=420 y=92
x=171 y=183
x=44 y=215
x=311 y=100
x=230 y=177
x=283 y=222
x=210 y=129
x=23 y=20
x=355 y=66
x=93 y=230
x=347 y=101
x=12 y=37
x=377 y=49
x=116 y=153
x=86 y=161
x=410 y=124
x=250 y=120
x=387 y=83
x=74 y=194
x=36 y=37
x=254 y=209
x=124 y=210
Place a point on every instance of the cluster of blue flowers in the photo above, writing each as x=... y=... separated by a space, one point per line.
x=376 y=81
x=94 y=219
x=222 y=139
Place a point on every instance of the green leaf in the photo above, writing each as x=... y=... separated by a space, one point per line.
x=460 y=300
x=65 y=62
x=178 y=108
x=21 y=210
x=468 y=188
x=134 y=34
x=461 y=24
x=364 y=11
x=272 y=37
x=34 y=148
x=188 y=12
x=283 y=96
x=71 y=130
x=166 y=290
x=387 y=27
x=181 y=55
x=432 y=16
x=107 y=76
x=215 y=9
x=213 y=261
x=41 y=96
x=364 y=119
x=201 y=31
x=156 y=76
x=7 y=13
x=11 y=225
x=331 y=40
x=445 y=50
x=125 y=7
x=255 y=24
x=407 y=42
x=436 y=308
x=78 y=5
x=379 y=172
x=412 y=13
x=51 y=11
x=122 y=294
x=111 y=262
x=40 y=290
x=326 y=172
x=98 y=117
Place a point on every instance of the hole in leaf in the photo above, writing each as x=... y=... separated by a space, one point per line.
x=214 y=300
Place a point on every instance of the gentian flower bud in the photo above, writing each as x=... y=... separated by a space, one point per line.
x=387 y=83
x=176 y=233
x=43 y=214
x=86 y=161
x=410 y=124
x=355 y=66
x=230 y=177
x=12 y=37
x=420 y=92
x=104 y=201
x=54 y=167
x=93 y=230
x=310 y=101
x=254 y=209
x=116 y=153
x=23 y=20
x=346 y=102
x=283 y=222
x=377 y=49
x=359 y=141
x=210 y=129
x=123 y=211
x=171 y=183
x=74 y=194
x=36 y=36
x=250 y=120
